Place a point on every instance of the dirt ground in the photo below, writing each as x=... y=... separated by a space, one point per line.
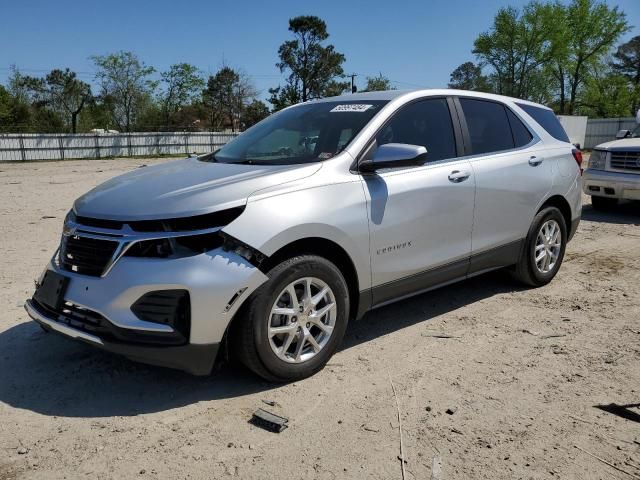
x=534 y=380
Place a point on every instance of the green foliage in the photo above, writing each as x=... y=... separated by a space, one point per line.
x=61 y=92
x=182 y=84
x=377 y=84
x=124 y=82
x=312 y=67
x=517 y=47
x=254 y=112
x=548 y=51
x=227 y=95
x=468 y=76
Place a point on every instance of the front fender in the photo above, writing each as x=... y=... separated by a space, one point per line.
x=336 y=212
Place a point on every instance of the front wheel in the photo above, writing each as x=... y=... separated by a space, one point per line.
x=293 y=323
x=543 y=250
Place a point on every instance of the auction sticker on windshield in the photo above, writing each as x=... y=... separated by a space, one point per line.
x=351 y=107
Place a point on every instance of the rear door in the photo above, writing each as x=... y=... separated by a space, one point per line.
x=512 y=178
x=420 y=218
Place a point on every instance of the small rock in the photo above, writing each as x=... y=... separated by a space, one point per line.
x=428 y=408
x=143 y=471
x=230 y=445
x=451 y=410
x=22 y=451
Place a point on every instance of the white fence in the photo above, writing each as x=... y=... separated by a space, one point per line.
x=26 y=147
x=600 y=130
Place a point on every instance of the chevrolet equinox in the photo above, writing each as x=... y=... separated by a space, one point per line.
x=311 y=218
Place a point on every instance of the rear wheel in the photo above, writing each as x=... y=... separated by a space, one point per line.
x=603 y=203
x=293 y=324
x=544 y=248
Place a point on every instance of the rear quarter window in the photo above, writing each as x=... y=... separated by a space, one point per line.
x=547 y=120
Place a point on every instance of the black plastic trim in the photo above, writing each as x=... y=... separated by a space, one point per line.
x=191 y=358
x=397 y=289
x=502 y=256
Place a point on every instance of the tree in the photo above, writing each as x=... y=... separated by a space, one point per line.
x=517 y=47
x=227 y=94
x=312 y=68
x=182 y=84
x=627 y=63
x=468 y=76
x=607 y=94
x=62 y=92
x=592 y=28
x=124 y=82
x=254 y=112
x=377 y=84
x=627 y=60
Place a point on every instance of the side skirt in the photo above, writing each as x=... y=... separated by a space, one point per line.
x=422 y=282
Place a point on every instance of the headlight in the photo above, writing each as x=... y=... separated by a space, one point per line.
x=597 y=160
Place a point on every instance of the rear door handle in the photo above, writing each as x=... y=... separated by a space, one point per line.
x=535 y=161
x=457 y=176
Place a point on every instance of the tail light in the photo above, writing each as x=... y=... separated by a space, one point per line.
x=577 y=156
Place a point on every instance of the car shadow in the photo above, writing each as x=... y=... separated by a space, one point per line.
x=51 y=375
x=625 y=213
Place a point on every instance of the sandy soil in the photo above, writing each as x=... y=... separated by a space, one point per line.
x=527 y=374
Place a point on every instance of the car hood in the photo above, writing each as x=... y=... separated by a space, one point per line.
x=183 y=188
x=631 y=143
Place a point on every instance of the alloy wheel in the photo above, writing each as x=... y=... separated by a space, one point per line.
x=302 y=320
x=548 y=246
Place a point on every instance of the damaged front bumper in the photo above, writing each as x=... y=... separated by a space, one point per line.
x=103 y=311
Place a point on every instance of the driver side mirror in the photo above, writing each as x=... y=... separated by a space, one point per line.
x=394 y=155
x=623 y=134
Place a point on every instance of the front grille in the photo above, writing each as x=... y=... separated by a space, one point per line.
x=629 y=161
x=87 y=256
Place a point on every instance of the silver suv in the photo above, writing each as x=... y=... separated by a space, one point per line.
x=313 y=217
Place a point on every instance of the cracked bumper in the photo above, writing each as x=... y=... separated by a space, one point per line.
x=212 y=279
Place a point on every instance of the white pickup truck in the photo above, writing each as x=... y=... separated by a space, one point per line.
x=613 y=172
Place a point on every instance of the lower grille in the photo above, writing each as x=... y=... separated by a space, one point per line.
x=84 y=255
x=167 y=307
x=92 y=322
x=629 y=161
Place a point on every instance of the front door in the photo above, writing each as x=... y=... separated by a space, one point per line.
x=420 y=217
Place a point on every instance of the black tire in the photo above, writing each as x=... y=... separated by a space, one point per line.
x=250 y=339
x=525 y=270
x=603 y=203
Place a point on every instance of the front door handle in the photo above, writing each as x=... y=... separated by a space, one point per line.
x=535 y=161
x=457 y=176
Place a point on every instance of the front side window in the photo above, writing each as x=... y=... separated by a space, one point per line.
x=306 y=133
x=488 y=126
x=426 y=123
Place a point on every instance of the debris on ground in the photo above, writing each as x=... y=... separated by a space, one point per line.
x=269 y=421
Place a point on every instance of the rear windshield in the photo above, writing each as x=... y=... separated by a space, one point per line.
x=547 y=120
x=306 y=133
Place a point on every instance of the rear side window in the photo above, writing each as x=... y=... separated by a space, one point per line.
x=488 y=126
x=547 y=120
x=521 y=134
x=426 y=123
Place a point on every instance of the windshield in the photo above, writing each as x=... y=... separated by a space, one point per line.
x=306 y=133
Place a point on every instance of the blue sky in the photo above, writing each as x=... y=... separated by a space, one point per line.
x=415 y=43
